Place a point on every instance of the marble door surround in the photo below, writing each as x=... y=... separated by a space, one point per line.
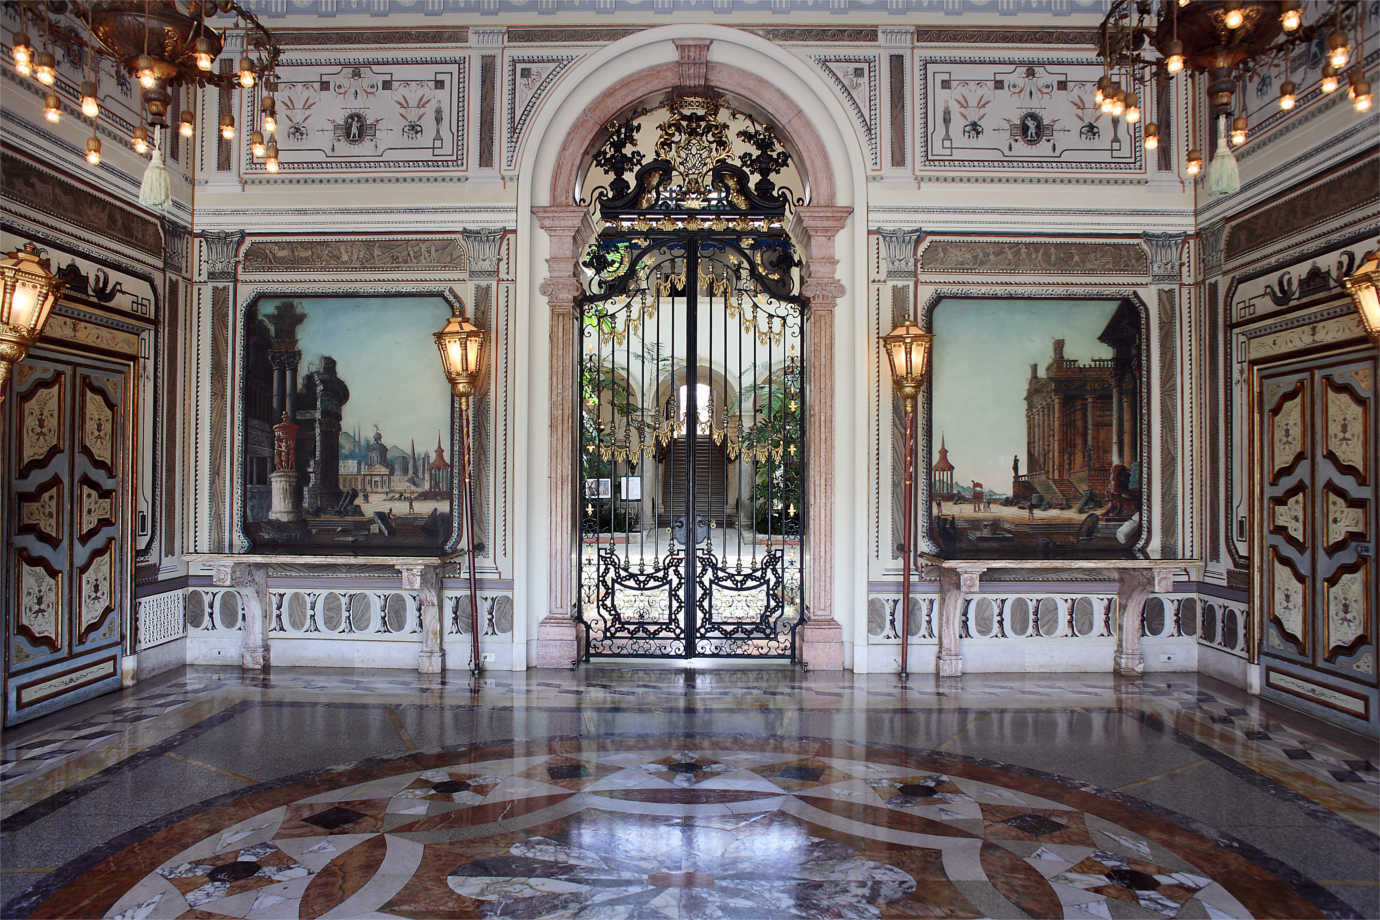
x=816 y=227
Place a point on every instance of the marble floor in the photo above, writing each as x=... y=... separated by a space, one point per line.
x=674 y=793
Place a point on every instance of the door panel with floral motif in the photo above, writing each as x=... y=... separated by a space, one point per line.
x=65 y=578
x=1316 y=581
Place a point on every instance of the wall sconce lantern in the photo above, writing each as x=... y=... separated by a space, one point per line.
x=27 y=294
x=1361 y=285
x=461 y=344
x=908 y=350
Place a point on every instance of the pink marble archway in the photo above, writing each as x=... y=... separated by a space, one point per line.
x=817 y=225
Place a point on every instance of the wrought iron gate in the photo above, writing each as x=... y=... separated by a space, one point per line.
x=692 y=450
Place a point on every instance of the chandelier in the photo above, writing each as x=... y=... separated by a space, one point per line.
x=162 y=44
x=1228 y=41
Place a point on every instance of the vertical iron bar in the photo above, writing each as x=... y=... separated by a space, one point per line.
x=692 y=377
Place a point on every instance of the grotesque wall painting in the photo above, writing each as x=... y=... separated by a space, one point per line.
x=1036 y=429
x=347 y=421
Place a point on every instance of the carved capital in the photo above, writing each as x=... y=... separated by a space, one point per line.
x=822 y=293
x=482 y=247
x=560 y=292
x=898 y=247
x=222 y=249
x=1164 y=256
x=174 y=247
x=1213 y=238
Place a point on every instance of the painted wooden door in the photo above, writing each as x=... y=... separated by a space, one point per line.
x=66 y=576
x=1317 y=584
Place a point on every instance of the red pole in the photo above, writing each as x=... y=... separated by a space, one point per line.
x=468 y=492
x=909 y=512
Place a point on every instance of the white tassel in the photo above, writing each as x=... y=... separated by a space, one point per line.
x=156 y=190
x=1223 y=177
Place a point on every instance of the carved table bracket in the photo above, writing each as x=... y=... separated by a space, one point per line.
x=426 y=581
x=1134 y=587
x=250 y=582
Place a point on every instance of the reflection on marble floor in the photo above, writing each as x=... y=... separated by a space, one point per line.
x=1339 y=778
x=659 y=793
x=705 y=827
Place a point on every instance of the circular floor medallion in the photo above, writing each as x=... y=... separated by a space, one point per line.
x=685 y=827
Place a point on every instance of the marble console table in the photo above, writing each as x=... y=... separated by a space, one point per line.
x=248 y=574
x=1136 y=579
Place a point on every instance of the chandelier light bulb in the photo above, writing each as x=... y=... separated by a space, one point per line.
x=23 y=51
x=1184 y=2
x=1360 y=94
x=1291 y=18
x=256 y=143
x=1118 y=104
x=1152 y=136
x=203 y=53
x=1132 y=108
x=52 y=107
x=93 y=150
x=1194 y=164
x=1287 y=95
x=45 y=68
x=246 y=72
x=1174 y=56
x=186 y=125
x=227 y=127
x=90 y=105
x=144 y=72
x=269 y=110
x=1238 y=131
x=1234 y=17
x=1338 y=52
x=271 y=157
x=1329 y=79
x=140 y=140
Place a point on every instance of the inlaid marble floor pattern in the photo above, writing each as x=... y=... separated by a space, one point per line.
x=674 y=793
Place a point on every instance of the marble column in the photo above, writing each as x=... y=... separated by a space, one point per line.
x=426 y=581
x=821 y=635
x=557 y=644
x=250 y=582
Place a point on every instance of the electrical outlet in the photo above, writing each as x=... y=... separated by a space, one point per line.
x=486 y=658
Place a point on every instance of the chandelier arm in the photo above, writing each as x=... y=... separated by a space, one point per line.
x=55 y=32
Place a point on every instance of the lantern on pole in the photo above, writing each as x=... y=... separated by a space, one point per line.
x=908 y=351
x=461 y=344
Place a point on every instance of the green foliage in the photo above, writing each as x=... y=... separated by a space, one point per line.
x=778 y=414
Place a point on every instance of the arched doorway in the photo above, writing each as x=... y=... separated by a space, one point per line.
x=642 y=70
x=691 y=268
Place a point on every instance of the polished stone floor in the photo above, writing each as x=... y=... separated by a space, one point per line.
x=666 y=792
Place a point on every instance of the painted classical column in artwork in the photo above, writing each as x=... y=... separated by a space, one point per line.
x=426 y=581
x=557 y=634
x=250 y=582
x=822 y=635
x=283 y=480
